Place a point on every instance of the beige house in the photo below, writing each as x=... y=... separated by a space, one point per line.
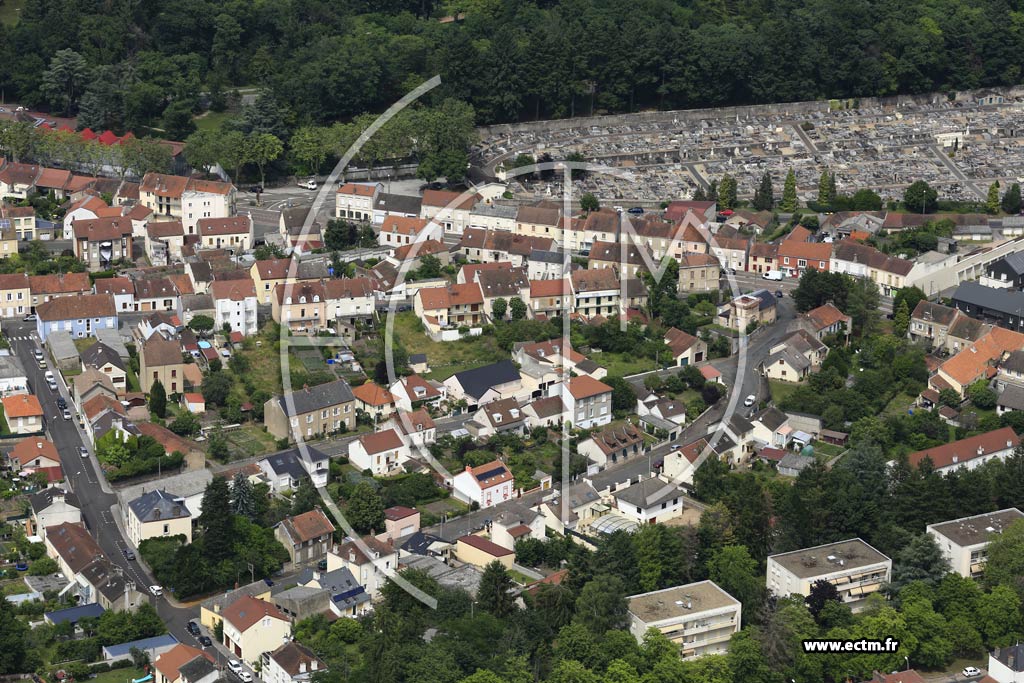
x=450 y=210
x=225 y=233
x=100 y=242
x=184 y=664
x=267 y=274
x=370 y=561
x=311 y=411
x=451 y=306
x=306 y=537
x=161 y=360
x=356 y=201
x=253 y=627
x=480 y=552
x=156 y=514
x=596 y=292
x=699 y=618
x=187 y=199
x=300 y=307
x=23 y=413
x=699 y=273
x=757 y=307
x=15 y=295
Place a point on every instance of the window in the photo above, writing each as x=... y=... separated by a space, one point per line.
x=309 y=419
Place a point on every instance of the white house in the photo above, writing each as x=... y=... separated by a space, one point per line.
x=649 y=501
x=291 y=663
x=371 y=562
x=379 y=452
x=486 y=485
x=234 y=303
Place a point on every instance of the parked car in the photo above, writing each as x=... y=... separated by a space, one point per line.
x=61 y=403
x=307 y=184
x=30 y=318
x=750 y=400
x=38 y=354
x=205 y=641
x=83 y=451
x=67 y=414
x=193 y=628
x=971 y=671
x=129 y=554
x=156 y=590
x=234 y=665
x=773 y=275
x=244 y=676
x=636 y=209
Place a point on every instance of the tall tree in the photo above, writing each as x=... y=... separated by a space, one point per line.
x=158 y=399
x=1011 y=200
x=1005 y=564
x=216 y=521
x=494 y=594
x=201 y=150
x=305 y=497
x=735 y=571
x=789 y=199
x=764 y=195
x=499 y=307
x=901 y=320
x=992 y=204
x=64 y=82
x=601 y=605
x=727 y=192
x=365 y=508
x=13 y=640
x=517 y=308
x=824 y=195
x=263 y=149
x=243 y=497
x=920 y=197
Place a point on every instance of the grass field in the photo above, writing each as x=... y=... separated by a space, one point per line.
x=899 y=405
x=248 y=441
x=10 y=11
x=781 y=390
x=212 y=120
x=445 y=358
x=623 y=364
x=118 y=675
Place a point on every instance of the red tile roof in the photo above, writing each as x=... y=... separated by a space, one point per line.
x=373 y=394
x=443 y=198
x=27 y=450
x=22 y=405
x=247 y=611
x=482 y=544
x=585 y=386
x=960 y=452
x=379 y=442
x=308 y=525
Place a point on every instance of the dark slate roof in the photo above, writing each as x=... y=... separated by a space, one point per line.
x=74 y=614
x=318 y=397
x=99 y=354
x=158 y=504
x=287 y=462
x=1001 y=300
x=399 y=203
x=1012 y=397
x=43 y=499
x=477 y=381
x=772 y=418
x=416 y=358
x=196 y=669
x=545 y=256
x=649 y=493
x=1015 y=262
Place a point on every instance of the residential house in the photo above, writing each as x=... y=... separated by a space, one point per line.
x=374 y=400
x=187 y=199
x=266 y=275
x=763 y=257
x=686 y=349
x=825 y=320
x=156 y=294
x=184 y=664
x=1005 y=664
x=252 y=627
x=1005 y=273
x=539 y=220
x=650 y=501
x=698 y=618
x=15 y=295
x=795 y=256
x=699 y=273
x=100 y=242
x=855 y=568
x=547 y=265
x=412 y=391
x=285 y=470
x=20 y=219
x=482 y=385
x=105 y=360
x=486 y=485
x=931 y=322
x=972 y=452
x=72 y=547
x=395 y=205
x=703 y=211
x=489 y=216
x=356 y=201
x=52 y=506
x=416 y=428
x=300 y=307
x=233 y=233
x=749 y=311
x=596 y=292
x=571 y=507
x=81 y=316
x=23 y=414
x=379 y=452
x=161 y=360
x=550 y=298
x=629 y=260
x=348 y=299
x=18 y=180
x=370 y=561
x=612 y=443
x=157 y=514
x=964 y=542
x=412 y=255
x=35 y=454
x=397 y=231
x=480 y=552
x=794 y=357
x=860 y=260
x=451 y=210
x=544 y=412
x=164 y=242
x=731 y=252
x=503 y=284
x=47 y=287
x=588 y=402
x=122 y=289
x=13 y=378
x=291 y=663
x=490 y=246
x=234 y=303
x=311 y=411
x=771 y=428
x=306 y=537
x=497 y=417
x=514 y=523
x=399 y=522
x=599 y=226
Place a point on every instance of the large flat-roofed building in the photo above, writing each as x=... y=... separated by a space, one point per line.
x=699 y=618
x=855 y=568
x=964 y=542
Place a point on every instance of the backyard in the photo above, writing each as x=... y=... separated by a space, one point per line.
x=444 y=358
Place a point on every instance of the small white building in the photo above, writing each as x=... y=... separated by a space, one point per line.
x=234 y=303
x=964 y=542
x=699 y=618
x=379 y=452
x=486 y=485
x=291 y=663
x=371 y=562
x=649 y=501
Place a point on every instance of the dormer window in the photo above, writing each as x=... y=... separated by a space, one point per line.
x=316 y=298
x=302 y=299
x=288 y=300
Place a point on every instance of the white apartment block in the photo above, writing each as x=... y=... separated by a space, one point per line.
x=964 y=542
x=699 y=618
x=855 y=568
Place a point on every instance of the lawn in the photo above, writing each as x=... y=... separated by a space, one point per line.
x=623 y=364
x=250 y=440
x=780 y=390
x=899 y=405
x=445 y=358
x=118 y=675
x=10 y=11
x=212 y=120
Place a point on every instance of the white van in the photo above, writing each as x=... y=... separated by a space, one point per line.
x=773 y=275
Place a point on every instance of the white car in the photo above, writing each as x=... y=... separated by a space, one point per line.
x=308 y=184
x=750 y=400
x=83 y=451
x=235 y=665
x=156 y=590
x=244 y=676
x=38 y=354
x=971 y=671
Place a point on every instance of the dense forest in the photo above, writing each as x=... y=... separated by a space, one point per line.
x=142 y=63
